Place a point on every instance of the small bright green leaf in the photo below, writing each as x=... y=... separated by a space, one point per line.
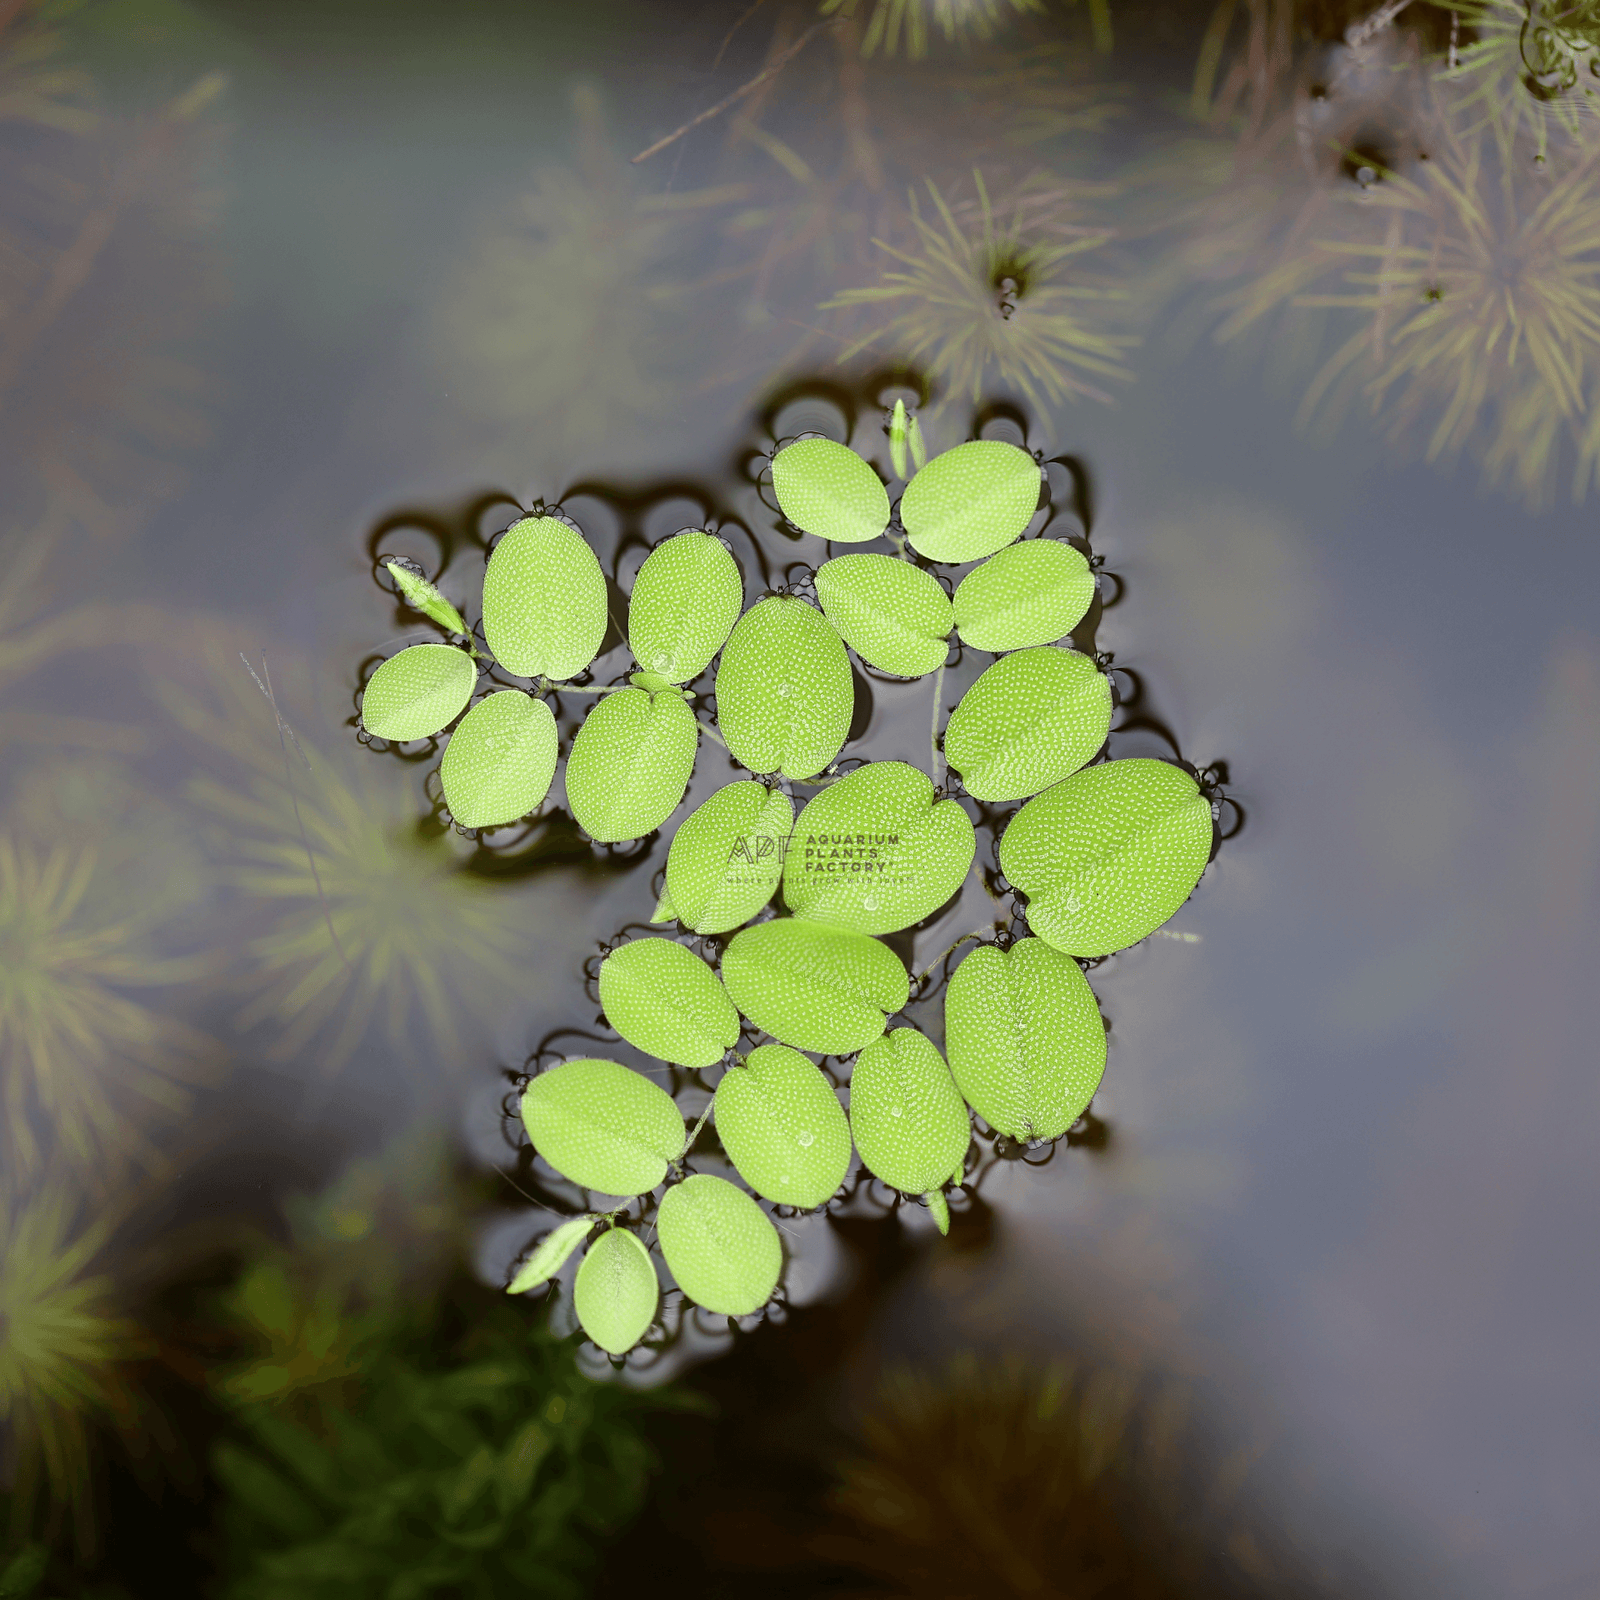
x=1034 y=593
x=892 y=614
x=897 y=439
x=720 y=1245
x=827 y=489
x=726 y=857
x=1026 y=1042
x=909 y=1120
x=663 y=999
x=500 y=761
x=665 y=911
x=615 y=1293
x=415 y=693
x=603 y=1126
x=940 y=1208
x=814 y=988
x=423 y=596
x=1106 y=857
x=544 y=600
x=630 y=763
x=783 y=1127
x=685 y=601
x=919 y=450
x=1030 y=720
x=970 y=501
x=551 y=1253
x=874 y=853
x=784 y=691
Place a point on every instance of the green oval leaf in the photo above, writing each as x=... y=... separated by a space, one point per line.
x=874 y=853
x=970 y=501
x=685 y=602
x=425 y=597
x=892 y=614
x=720 y=1245
x=544 y=600
x=415 y=693
x=827 y=489
x=551 y=1253
x=1030 y=720
x=500 y=761
x=1027 y=1045
x=1107 y=856
x=815 y=988
x=663 y=999
x=909 y=1120
x=615 y=1293
x=784 y=691
x=1034 y=593
x=782 y=1127
x=631 y=763
x=726 y=857
x=603 y=1126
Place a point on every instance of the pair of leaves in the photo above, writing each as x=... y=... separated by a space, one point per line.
x=631 y=763
x=663 y=999
x=873 y=853
x=813 y=987
x=726 y=858
x=1027 y=1044
x=1108 y=855
x=784 y=690
x=615 y=1293
x=961 y=506
x=782 y=1127
x=1029 y=721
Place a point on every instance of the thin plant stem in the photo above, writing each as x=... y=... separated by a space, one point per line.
x=933 y=736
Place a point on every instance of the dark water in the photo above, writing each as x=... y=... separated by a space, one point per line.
x=372 y=280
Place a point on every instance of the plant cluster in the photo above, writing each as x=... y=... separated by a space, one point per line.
x=1103 y=852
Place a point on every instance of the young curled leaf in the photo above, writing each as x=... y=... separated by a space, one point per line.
x=544 y=600
x=827 y=489
x=720 y=1245
x=499 y=763
x=631 y=763
x=813 y=987
x=616 y=1293
x=685 y=602
x=417 y=692
x=970 y=501
x=891 y=613
x=1026 y=1041
x=551 y=1253
x=1030 y=720
x=726 y=857
x=663 y=999
x=603 y=1126
x=1107 y=856
x=874 y=853
x=784 y=691
x=909 y=1120
x=425 y=597
x=1033 y=593
x=897 y=439
x=782 y=1127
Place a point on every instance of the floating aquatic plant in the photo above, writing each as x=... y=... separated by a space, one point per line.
x=1104 y=855
x=981 y=304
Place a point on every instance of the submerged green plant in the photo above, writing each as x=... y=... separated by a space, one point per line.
x=955 y=19
x=62 y=1344
x=980 y=304
x=1105 y=855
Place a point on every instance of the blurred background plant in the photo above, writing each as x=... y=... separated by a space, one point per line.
x=888 y=21
x=107 y=271
x=365 y=915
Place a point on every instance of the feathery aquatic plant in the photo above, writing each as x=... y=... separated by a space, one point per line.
x=981 y=303
x=955 y=19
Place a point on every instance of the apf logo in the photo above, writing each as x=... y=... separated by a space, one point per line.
x=749 y=848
